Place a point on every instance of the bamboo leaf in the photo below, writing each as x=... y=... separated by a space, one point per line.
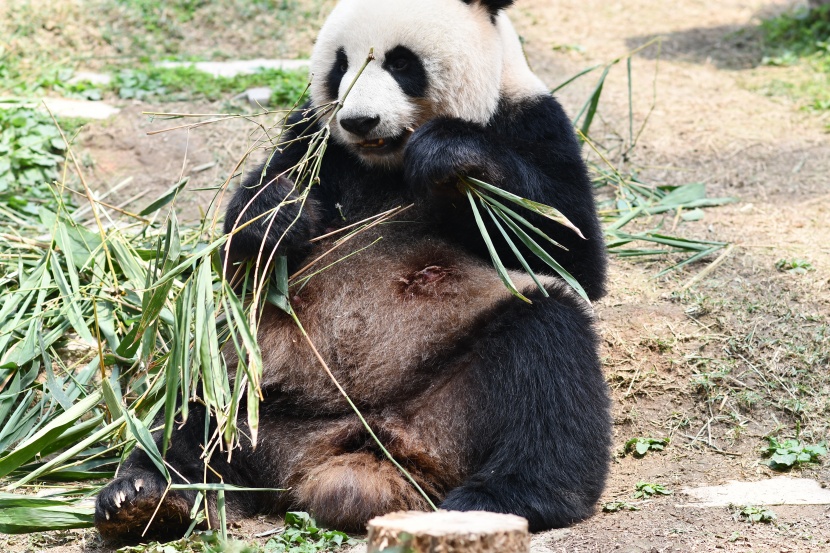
x=37 y=515
x=515 y=250
x=34 y=445
x=500 y=269
x=137 y=429
x=166 y=198
x=546 y=257
x=544 y=210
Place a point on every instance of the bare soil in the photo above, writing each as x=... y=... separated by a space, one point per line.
x=663 y=345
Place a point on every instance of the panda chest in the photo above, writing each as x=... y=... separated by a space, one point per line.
x=389 y=313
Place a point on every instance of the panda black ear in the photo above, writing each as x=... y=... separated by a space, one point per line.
x=493 y=6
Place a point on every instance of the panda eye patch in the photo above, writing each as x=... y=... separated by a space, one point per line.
x=338 y=69
x=408 y=70
x=342 y=61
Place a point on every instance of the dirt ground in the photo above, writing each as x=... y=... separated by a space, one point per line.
x=666 y=349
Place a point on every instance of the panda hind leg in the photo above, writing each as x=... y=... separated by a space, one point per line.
x=541 y=427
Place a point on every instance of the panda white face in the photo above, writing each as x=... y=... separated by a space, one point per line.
x=431 y=58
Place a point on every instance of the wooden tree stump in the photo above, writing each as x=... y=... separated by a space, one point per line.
x=448 y=532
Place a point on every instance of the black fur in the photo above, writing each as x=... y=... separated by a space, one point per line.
x=542 y=427
x=493 y=6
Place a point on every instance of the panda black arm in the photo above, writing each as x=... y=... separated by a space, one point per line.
x=528 y=148
x=291 y=226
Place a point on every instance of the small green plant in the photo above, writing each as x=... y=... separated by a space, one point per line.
x=645 y=490
x=750 y=514
x=617 y=506
x=794 y=266
x=137 y=85
x=640 y=446
x=789 y=453
x=302 y=535
x=200 y=542
x=299 y=535
x=31 y=151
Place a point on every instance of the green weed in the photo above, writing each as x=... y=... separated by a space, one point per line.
x=299 y=535
x=751 y=514
x=302 y=535
x=640 y=446
x=789 y=453
x=31 y=152
x=794 y=266
x=617 y=506
x=645 y=490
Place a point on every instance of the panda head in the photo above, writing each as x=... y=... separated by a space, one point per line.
x=432 y=58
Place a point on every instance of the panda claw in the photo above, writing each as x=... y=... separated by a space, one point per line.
x=138 y=484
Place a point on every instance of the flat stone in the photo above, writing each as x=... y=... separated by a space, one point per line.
x=236 y=67
x=89 y=77
x=84 y=109
x=781 y=490
x=259 y=96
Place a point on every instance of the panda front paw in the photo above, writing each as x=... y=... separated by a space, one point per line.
x=443 y=150
x=127 y=505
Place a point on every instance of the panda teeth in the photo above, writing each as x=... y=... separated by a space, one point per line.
x=373 y=143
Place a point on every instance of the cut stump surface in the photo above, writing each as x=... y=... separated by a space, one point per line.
x=448 y=532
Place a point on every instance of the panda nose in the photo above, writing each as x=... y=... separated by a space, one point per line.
x=359 y=125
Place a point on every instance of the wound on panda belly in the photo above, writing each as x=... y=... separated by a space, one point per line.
x=424 y=282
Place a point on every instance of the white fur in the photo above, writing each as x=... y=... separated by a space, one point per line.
x=470 y=63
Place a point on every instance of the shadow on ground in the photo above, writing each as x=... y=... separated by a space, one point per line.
x=728 y=47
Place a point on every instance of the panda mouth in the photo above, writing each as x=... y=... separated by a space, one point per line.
x=380 y=145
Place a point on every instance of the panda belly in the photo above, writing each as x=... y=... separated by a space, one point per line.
x=387 y=320
x=395 y=324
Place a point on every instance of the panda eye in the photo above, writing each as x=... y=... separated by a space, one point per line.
x=399 y=64
x=341 y=61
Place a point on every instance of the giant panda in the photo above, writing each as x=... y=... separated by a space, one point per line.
x=489 y=402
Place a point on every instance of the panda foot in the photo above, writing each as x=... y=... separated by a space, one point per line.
x=125 y=508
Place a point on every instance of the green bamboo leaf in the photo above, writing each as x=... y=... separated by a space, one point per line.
x=71 y=301
x=127 y=261
x=515 y=250
x=589 y=109
x=546 y=257
x=500 y=269
x=252 y=356
x=544 y=210
x=518 y=218
x=138 y=430
x=689 y=260
x=23 y=515
x=575 y=77
x=45 y=436
x=59 y=461
x=166 y=198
